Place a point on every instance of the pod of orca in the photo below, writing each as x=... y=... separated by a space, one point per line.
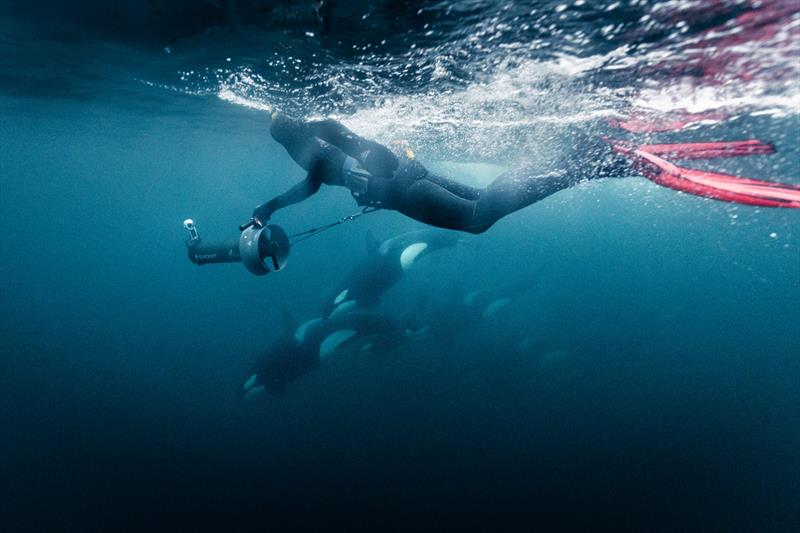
x=349 y=326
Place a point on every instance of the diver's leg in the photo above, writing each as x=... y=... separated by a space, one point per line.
x=455 y=187
x=520 y=188
x=432 y=204
x=513 y=191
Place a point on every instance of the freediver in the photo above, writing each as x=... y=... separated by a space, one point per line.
x=382 y=178
x=379 y=177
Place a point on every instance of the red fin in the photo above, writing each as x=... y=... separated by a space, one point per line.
x=709 y=150
x=654 y=122
x=714 y=185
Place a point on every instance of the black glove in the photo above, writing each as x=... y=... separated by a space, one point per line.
x=262 y=214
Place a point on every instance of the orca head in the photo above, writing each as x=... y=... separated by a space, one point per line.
x=494 y=306
x=554 y=358
x=410 y=254
x=342 y=296
x=346 y=301
x=252 y=389
x=334 y=300
x=343 y=308
x=301 y=332
x=366 y=347
x=475 y=298
x=334 y=341
x=281 y=363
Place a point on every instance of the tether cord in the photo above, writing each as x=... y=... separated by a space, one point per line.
x=316 y=231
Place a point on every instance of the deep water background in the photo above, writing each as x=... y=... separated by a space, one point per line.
x=676 y=409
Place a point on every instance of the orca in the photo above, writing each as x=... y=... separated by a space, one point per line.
x=301 y=348
x=385 y=265
x=465 y=310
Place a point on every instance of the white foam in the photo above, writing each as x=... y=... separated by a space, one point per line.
x=229 y=95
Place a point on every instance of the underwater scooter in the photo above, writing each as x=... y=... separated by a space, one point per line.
x=261 y=249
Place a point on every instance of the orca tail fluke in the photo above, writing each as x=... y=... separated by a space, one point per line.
x=649 y=161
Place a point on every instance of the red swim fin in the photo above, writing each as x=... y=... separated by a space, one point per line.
x=709 y=150
x=651 y=122
x=646 y=159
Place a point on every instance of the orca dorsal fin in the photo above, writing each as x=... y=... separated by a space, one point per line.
x=372 y=243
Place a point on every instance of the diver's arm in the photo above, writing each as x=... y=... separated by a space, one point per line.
x=375 y=157
x=296 y=194
x=338 y=135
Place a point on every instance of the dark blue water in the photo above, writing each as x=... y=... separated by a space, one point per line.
x=646 y=379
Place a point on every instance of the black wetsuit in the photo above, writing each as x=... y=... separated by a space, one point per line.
x=334 y=155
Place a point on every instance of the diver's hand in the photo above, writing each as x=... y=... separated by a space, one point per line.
x=262 y=214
